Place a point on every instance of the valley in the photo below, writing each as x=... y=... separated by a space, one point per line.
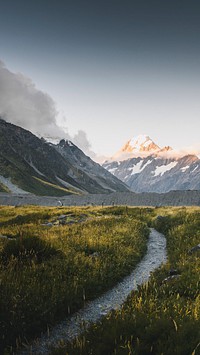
x=99 y=177
x=53 y=260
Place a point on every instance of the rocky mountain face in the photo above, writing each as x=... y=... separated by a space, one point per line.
x=150 y=168
x=30 y=164
x=90 y=169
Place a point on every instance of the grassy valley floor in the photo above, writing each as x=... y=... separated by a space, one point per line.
x=163 y=316
x=52 y=260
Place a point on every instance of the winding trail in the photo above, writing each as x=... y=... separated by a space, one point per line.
x=113 y=299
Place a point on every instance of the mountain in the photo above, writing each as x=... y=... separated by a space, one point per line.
x=141 y=145
x=158 y=170
x=30 y=164
x=90 y=169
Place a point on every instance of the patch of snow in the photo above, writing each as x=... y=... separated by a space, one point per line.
x=126 y=177
x=194 y=169
x=185 y=168
x=147 y=143
x=161 y=170
x=136 y=169
x=70 y=143
x=34 y=167
x=52 y=140
x=142 y=139
x=13 y=188
x=147 y=163
x=112 y=170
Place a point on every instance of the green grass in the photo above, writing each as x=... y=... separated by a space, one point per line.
x=47 y=273
x=161 y=317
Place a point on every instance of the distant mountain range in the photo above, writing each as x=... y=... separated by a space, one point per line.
x=30 y=164
x=145 y=167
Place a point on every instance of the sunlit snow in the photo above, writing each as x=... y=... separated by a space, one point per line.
x=136 y=142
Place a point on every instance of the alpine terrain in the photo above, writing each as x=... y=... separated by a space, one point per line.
x=30 y=164
x=145 y=167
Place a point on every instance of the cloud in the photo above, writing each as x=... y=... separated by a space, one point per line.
x=193 y=149
x=21 y=103
x=80 y=139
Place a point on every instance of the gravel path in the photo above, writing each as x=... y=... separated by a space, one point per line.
x=113 y=299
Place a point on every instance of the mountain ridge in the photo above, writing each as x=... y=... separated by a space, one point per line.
x=158 y=170
x=37 y=167
x=141 y=145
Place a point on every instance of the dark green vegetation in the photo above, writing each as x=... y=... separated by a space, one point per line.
x=163 y=316
x=52 y=170
x=54 y=259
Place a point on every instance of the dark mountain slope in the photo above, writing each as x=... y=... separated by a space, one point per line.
x=35 y=166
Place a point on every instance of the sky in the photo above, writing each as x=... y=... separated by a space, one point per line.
x=101 y=72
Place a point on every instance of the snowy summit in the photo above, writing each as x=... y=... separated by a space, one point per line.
x=139 y=146
x=141 y=143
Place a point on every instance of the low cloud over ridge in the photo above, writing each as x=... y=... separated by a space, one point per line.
x=21 y=103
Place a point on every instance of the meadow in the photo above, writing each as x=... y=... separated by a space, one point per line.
x=163 y=315
x=52 y=260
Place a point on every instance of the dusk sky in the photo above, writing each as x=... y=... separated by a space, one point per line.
x=113 y=69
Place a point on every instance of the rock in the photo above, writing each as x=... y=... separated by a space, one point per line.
x=55 y=223
x=194 y=249
x=47 y=224
x=94 y=255
x=62 y=216
x=160 y=218
x=173 y=272
x=171 y=278
x=5 y=237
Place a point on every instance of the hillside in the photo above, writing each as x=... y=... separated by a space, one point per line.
x=30 y=164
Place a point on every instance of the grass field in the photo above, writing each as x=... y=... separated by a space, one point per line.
x=54 y=259
x=163 y=316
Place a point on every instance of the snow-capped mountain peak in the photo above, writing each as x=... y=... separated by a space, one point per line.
x=140 y=143
x=138 y=146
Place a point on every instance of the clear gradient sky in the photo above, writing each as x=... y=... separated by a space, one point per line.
x=114 y=68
